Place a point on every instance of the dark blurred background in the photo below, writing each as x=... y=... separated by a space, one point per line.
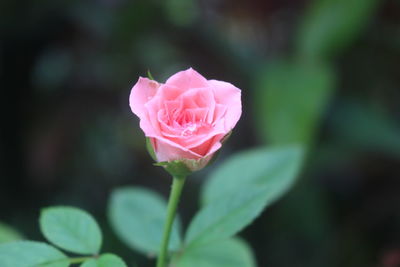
x=68 y=136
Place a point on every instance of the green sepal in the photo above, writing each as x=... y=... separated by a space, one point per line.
x=150 y=149
x=176 y=168
x=150 y=76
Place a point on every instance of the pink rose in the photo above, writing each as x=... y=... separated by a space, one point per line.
x=187 y=117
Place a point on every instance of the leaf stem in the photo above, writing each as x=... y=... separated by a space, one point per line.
x=176 y=190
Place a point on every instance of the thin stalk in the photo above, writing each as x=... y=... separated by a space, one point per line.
x=176 y=190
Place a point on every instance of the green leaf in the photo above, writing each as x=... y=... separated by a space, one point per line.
x=105 y=260
x=31 y=254
x=226 y=253
x=227 y=215
x=8 y=234
x=331 y=25
x=71 y=229
x=275 y=168
x=137 y=216
x=290 y=100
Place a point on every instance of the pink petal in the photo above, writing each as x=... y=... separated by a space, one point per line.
x=187 y=79
x=199 y=114
x=209 y=146
x=200 y=97
x=141 y=93
x=166 y=129
x=216 y=146
x=151 y=109
x=170 y=105
x=147 y=127
x=169 y=92
x=219 y=113
x=229 y=96
x=171 y=129
x=167 y=151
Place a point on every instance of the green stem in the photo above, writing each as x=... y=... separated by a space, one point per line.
x=177 y=186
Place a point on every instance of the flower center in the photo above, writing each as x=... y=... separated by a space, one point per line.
x=187 y=122
x=189 y=128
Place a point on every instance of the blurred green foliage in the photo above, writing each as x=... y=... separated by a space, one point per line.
x=71 y=229
x=225 y=253
x=329 y=26
x=30 y=253
x=68 y=228
x=137 y=216
x=274 y=168
x=367 y=128
x=291 y=98
x=7 y=234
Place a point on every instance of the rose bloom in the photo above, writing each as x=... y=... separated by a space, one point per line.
x=187 y=117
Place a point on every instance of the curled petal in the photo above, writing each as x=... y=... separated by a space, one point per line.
x=229 y=96
x=142 y=92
